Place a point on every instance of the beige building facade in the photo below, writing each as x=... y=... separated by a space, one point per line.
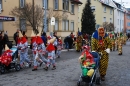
x=63 y=27
x=102 y=11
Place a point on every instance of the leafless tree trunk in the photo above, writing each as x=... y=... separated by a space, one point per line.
x=30 y=13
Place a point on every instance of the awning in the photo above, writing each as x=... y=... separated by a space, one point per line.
x=6 y=18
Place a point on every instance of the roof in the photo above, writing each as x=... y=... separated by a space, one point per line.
x=107 y=5
x=76 y=1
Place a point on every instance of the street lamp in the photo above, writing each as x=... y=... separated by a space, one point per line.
x=45 y=17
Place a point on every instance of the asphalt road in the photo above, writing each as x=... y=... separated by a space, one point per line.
x=68 y=72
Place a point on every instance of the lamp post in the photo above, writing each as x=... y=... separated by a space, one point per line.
x=45 y=17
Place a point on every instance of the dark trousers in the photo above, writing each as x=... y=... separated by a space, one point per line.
x=1 y=48
x=55 y=49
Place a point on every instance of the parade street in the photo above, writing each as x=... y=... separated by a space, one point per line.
x=68 y=72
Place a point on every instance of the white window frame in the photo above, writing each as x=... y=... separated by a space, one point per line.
x=56 y=27
x=72 y=26
x=72 y=8
x=56 y=4
x=23 y=24
x=104 y=19
x=1 y=25
x=22 y=4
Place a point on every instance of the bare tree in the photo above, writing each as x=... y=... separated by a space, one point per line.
x=108 y=26
x=32 y=13
x=56 y=14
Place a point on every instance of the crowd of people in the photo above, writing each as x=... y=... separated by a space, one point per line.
x=42 y=45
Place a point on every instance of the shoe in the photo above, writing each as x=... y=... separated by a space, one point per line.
x=54 y=67
x=41 y=64
x=30 y=65
x=58 y=57
x=102 y=78
x=46 y=68
x=34 y=69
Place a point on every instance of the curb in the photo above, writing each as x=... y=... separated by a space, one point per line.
x=67 y=50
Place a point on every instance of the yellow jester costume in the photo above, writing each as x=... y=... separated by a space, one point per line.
x=101 y=43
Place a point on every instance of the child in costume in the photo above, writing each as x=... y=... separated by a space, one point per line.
x=39 y=51
x=59 y=47
x=51 y=52
x=22 y=46
x=86 y=60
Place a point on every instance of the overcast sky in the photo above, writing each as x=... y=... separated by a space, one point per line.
x=126 y=3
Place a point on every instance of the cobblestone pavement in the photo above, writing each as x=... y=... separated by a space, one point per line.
x=68 y=72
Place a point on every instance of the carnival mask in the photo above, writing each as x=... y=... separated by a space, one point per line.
x=101 y=32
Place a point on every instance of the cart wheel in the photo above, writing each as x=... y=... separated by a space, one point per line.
x=98 y=81
x=78 y=83
x=17 y=67
x=2 y=69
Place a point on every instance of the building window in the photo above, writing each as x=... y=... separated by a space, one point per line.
x=65 y=25
x=44 y=4
x=65 y=4
x=56 y=4
x=72 y=8
x=118 y=21
x=22 y=3
x=128 y=16
x=1 y=26
x=128 y=24
x=23 y=24
x=0 y=5
x=72 y=26
x=110 y=20
x=104 y=19
x=56 y=27
x=78 y=9
x=104 y=9
x=111 y=11
x=93 y=8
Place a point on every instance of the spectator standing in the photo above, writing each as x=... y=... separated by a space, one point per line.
x=1 y=42
x=16 y=35
x=24 y=35
x=44 y=38
x=55 y=35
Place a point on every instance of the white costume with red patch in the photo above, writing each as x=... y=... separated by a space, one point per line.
x=51 y=53
x=23 y=50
